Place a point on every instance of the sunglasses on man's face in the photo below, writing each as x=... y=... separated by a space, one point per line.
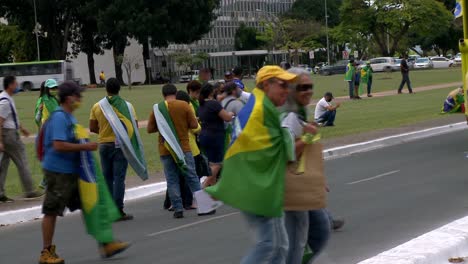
x=304 y=87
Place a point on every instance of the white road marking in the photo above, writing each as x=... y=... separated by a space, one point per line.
x=191 y=224
x=375 y=177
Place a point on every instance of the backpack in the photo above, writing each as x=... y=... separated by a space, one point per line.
x=40 y=148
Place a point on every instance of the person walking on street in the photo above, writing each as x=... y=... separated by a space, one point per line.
x=349 y=77
x=72 y=180
x=405 y=75
x=11 y=146
x=254 y=167
x=212 y=117
x=366 y=79
x=173 y=119
x=115 y=122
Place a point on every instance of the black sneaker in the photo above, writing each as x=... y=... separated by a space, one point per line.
x=125 y=216
x=4 y=199
x=209 y=213
x=179 y=214
x=34 y=195
x=337 y=224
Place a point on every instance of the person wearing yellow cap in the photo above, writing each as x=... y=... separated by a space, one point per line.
x=254 y=167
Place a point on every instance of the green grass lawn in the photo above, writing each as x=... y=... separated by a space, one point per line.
x=353 y=117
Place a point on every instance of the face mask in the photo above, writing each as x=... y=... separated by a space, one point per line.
x=17 y=90
x=75 y=105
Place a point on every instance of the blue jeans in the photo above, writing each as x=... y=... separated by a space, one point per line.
x=351 y=89
x=328 y=118
x=171 y=171
x=297 y=225
x=114 y=167
x=271 y=240
x=319 y=231
x=405 y=80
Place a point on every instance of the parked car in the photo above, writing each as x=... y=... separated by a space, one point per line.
x=384 y=64
x=337 y=68
x=318 y=66
x=441 y=62
x=458 y=59
x=423 y=63
x=397 y=63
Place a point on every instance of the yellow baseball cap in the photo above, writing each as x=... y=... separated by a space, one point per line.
x=268 y=72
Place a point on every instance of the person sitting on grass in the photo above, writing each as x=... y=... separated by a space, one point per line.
x=325 y=111
x=454 y=102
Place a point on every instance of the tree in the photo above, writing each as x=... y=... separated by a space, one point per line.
x=246 y=38
x=390 y=22
x=187 y=60
x=86 y=37
x=315 y=11
x=130 y=64
x=55 y=18
x=14 y=45
x=175 y=21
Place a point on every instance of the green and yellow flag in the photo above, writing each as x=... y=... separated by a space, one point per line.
x=119 y=114
x=45 y=105
x=99 y=209
x=254 y=167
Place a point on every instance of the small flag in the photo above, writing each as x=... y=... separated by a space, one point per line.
x=457 y=12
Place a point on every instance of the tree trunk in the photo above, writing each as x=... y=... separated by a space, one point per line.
x=66 y=37
x=146 y=56
x=92 y=75
x=118 y=50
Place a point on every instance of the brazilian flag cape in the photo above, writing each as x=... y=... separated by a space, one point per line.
x=45 y=105
x=119 y=114
x=254 y=166
x=99 y=209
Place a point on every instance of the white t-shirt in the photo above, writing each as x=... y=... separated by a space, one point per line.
x=321 y=108
x=6 y=113
x=244 y=97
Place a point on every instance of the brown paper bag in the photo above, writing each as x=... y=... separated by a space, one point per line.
x=306 y=191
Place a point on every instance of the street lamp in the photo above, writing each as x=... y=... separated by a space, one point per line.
x=36 y=30
x=326 y=30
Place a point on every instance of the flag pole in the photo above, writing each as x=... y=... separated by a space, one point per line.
x=463 y=45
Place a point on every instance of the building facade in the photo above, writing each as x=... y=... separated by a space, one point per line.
x=219 y=42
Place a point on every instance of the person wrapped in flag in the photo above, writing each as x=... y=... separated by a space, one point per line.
x=74 y=179
x=45 y=105
x=115 y=121
x=173 y=119
x=253 y=176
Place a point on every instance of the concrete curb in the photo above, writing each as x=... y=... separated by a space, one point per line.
x=435 y=247
x=27 y=214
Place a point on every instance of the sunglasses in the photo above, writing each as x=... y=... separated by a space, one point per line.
x=304 y=87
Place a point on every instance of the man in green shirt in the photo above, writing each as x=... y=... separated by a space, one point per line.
x=366 y=79
x=349 y=77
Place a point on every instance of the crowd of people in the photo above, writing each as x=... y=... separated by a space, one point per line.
x=218 y=131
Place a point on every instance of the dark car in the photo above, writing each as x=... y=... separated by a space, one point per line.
x=337 y=68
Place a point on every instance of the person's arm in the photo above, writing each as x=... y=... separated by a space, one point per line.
x=333 y=108
x=2 y=147
x=192 y=121
x=152 y=127
x=24 y=131
x=94 y=126
x=62 y=146
x=225 y=115
x=300 y=144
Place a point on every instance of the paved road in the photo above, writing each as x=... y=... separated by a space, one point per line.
x=387 y=196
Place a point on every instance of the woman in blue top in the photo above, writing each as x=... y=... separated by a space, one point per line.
x=212 y=117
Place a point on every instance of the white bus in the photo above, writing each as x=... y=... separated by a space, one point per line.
x=30 y=75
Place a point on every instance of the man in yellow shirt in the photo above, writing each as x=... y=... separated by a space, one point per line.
x=113 y=162
x=102 y=78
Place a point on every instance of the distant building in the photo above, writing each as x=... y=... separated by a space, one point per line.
x=219 y=42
